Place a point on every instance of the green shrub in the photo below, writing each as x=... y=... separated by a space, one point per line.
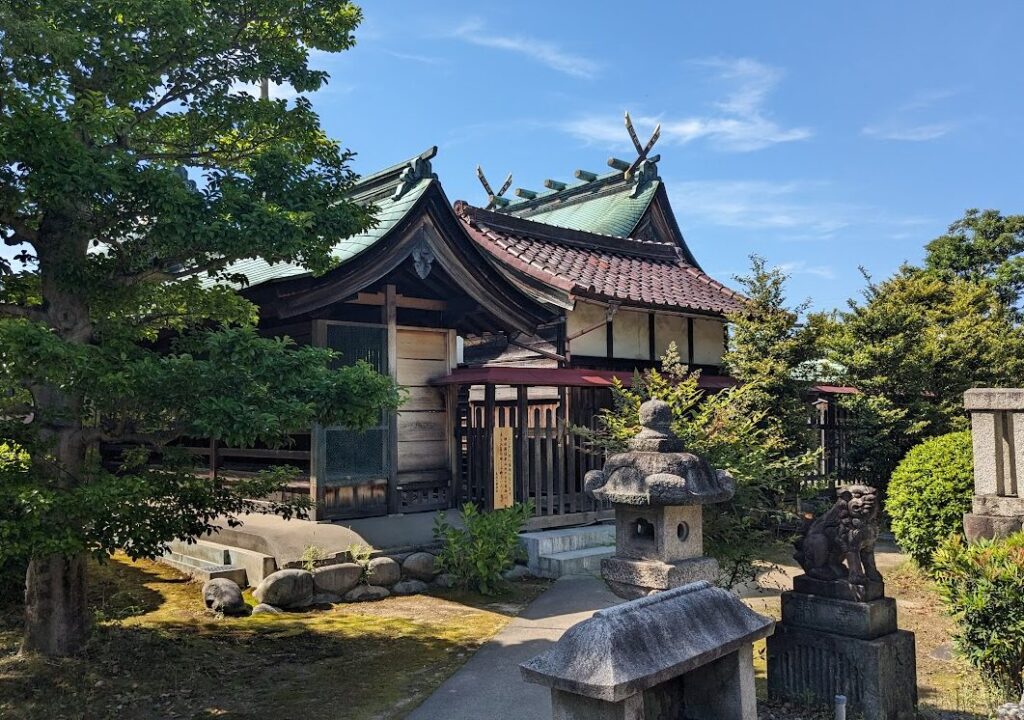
x=729 y=430
x=487 y=545
x=929 y=493
x=982 y=585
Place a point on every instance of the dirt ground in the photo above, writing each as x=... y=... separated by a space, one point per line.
x=156 y=653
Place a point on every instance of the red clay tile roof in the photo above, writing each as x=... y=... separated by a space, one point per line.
x=598 y=266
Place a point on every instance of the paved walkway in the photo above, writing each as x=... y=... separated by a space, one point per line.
x=489 y=686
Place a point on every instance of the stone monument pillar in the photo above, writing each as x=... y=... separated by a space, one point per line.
x=997 y=428
x=838 y=634
x=684 y=653
x=656 y=489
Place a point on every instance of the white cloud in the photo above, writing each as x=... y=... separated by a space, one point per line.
x=740 y=123
x=794 y=210
x=906 y=123
x=546 y=53
x=412 y=57
x=801 y=267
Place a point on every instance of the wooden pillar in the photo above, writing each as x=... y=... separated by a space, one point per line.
x=390 y=317
x=522 y=444
x=316 y=443
x=488 y=444
x=689 y=342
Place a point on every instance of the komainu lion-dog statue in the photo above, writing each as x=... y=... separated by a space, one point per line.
x=847 y=532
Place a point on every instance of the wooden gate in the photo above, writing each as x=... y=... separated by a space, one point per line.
x=549 y=461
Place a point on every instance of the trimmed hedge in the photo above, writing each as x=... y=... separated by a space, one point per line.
x=929 y=493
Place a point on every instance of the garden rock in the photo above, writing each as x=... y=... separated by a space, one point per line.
x=337 y=579
x=384 y=571
x=420 y=566
x=286 y=589
x=325 y=598
x=445 y=580
x=409 y=587
x=264 y=609
x=224 y=596
x=364 y=593
x=1011 y=711
x=518 y=572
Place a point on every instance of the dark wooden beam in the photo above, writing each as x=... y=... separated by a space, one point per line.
x=689 y=342
x=390 y=318
x=651 y=345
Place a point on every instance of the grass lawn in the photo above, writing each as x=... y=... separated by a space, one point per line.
x=157 y=653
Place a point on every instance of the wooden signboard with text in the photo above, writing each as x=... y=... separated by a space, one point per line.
x=504 y=489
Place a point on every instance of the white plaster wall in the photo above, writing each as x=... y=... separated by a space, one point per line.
x=708 y=342
x=581 y=317
x=668 y=329
x=630 y=333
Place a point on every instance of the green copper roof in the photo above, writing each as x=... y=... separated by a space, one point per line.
x=606 y=205
x=393 y=190
x=614 y=214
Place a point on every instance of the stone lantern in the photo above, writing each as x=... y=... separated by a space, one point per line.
x=656 y=489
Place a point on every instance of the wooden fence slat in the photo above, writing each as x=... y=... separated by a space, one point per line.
x=549 y=460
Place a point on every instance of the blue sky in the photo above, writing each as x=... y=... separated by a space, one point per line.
x=824 y=136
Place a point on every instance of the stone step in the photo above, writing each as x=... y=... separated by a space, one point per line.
x=256 y=565
x=203 y=570
x=585 y=561
x=550 y=542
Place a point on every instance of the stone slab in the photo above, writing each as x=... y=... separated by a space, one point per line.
x=636 y=578
x=839 y=589
x=1005 y=505
x=994 y=399
x=989 y=527
x=586 y=561
x=203 y=571
x=864 y=620
x=878 y=677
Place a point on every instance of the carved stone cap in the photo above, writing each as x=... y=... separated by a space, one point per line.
x=994 y=399
x=656 y=429
x=656 y=470
x=632 y=647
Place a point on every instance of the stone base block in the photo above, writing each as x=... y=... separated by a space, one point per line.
x=839 y=589
x=636 y=578
x=878 y=677
x=867 y=620
x=989 y=527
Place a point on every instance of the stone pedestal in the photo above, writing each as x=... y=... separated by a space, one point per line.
x=684 y=653
x=827 y=646
x=997 y=430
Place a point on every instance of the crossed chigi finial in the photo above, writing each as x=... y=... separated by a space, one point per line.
x=641 y=150
x=494 y=199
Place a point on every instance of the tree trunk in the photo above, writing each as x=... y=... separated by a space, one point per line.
x=55 y=605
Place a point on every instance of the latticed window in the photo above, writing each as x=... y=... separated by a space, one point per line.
x=351 y=455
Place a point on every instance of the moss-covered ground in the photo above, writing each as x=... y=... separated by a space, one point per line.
x=156 y=653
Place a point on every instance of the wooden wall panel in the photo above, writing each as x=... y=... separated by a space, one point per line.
x=420 y=372
x=423 y=397
x=422 y=345
x=420 y=455
x=422 y=425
